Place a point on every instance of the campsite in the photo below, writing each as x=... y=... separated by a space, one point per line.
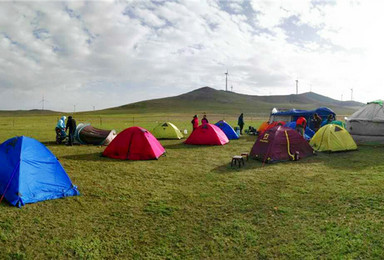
x=179 y=129
x=190 y=203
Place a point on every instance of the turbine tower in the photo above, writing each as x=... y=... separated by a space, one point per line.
x=226 y=81
x=42 y=101
x=297 y=87
x=351 y=94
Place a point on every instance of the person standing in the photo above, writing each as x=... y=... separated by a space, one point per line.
x=195 y=123
x=329 y=119
x=71 y=126
x=240 y=123
x=301 y=123
x=316 y=122
x=61 y=125
x=204 y=120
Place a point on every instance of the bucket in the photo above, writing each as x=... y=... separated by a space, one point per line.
x=185 y=131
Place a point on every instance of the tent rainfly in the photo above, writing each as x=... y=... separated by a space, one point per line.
x=332 y=138
x=29 y=173
x=167 y=130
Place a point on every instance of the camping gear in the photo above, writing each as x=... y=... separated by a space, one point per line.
x=308 y=134
x=332 y=138
x=367 y=124
x=29 y=173
x=167 y=130
x=237 y=160
x=228 y=130
x=280 y=143
x=134 y=143
x=294 y=114
x=87 y=134
x=207 y=134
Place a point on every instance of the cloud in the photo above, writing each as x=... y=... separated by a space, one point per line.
x=108 y=54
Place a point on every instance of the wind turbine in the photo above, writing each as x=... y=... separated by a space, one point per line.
x=226 y=81
x=42 y=101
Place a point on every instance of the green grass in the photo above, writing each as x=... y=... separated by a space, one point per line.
x=191 y=204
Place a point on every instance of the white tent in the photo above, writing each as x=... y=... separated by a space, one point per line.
x=367 y=124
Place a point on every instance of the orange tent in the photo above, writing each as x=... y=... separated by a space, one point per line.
x=262 y=127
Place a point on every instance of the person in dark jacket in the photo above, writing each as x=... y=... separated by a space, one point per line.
x=204 y=120
x=71 y=126
x=240 y=123
x=329 y=119
x=316 y=122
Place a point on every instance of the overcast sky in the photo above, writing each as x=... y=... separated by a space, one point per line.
x=110 y=53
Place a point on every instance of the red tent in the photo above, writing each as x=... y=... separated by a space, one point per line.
x=207 y=134
x=134 y=143
x=280 y=144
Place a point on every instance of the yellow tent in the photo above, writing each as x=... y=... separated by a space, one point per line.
x=167 y=130
x=332 y=138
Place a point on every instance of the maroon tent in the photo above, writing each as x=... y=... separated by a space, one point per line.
x=280 y=143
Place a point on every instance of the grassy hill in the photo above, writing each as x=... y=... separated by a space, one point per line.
x=33 y=112
x=214 y=101
x=210 y=100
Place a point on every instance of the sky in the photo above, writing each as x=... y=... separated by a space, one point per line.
x=86 y=55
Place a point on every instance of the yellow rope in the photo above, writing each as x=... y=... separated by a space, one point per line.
x=289 y=152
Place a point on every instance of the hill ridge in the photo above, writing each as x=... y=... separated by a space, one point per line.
x=211 y=100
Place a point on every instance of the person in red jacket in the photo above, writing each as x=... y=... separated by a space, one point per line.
x=195 y=122
x=301 y=123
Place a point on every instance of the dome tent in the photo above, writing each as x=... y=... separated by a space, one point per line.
x=227 y=129
x=207 y=134
x=367 y=124
x=280 y=144
x=87 y=134
x=30 y=173
x=167 y=130
x=134 y=143
x=262 y=127
x=332 y=138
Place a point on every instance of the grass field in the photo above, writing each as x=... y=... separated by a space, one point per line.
x=191 y=204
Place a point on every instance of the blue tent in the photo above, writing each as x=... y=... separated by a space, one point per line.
x=29 y=173
x=294 y=114
x=308 y=134
x=227 y=129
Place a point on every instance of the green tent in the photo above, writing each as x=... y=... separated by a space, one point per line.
x=339 y=123
x=167 y=130
x=332 y=138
